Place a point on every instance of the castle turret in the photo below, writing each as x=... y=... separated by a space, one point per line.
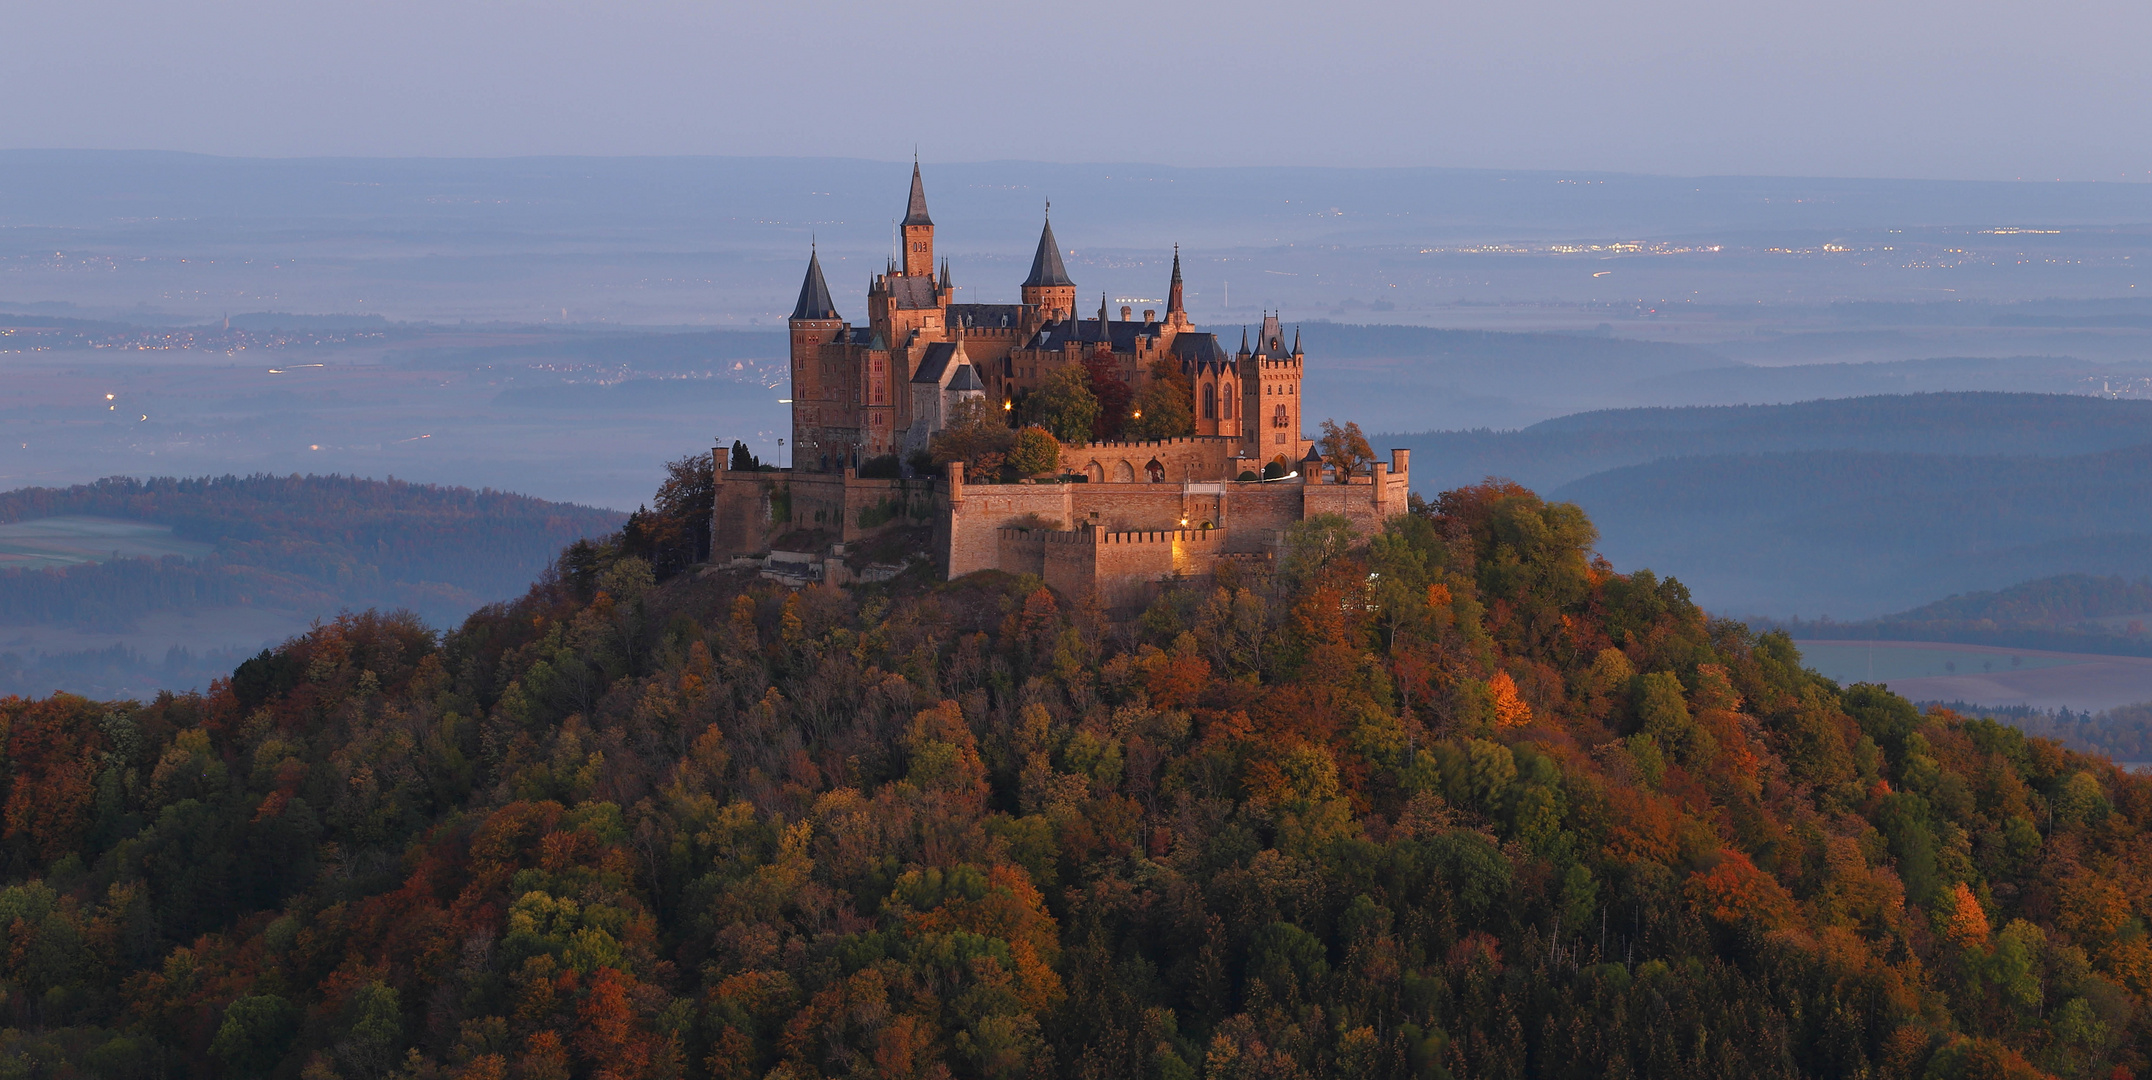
x=1049 y=288
x=817 y=400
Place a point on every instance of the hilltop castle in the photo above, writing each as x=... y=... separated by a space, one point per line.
x=1134 y=511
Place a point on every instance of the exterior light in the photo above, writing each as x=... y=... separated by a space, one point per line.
x=1139 y=415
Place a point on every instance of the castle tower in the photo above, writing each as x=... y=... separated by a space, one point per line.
x=1270 y=386
x=1048 y=288
x=819 y=400
x=918 y=231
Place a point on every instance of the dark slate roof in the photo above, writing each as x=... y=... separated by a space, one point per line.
x=984 y=315
x=814 y=294
x=1314 y=455
x=1270 y=340
x=911 y=293
x=916 y=212
x=1123 y=335
x=934 y=362
x=862 y=335
x=1199 y=349
x=1046 y=268
x=966 y=379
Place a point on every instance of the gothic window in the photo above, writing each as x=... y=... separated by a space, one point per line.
x=1210 y=402
x=1155 y=471
x=1124 y=473
x=1277 y=419
x=1225 y=402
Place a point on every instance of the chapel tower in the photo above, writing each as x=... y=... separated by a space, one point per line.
x=918 y=229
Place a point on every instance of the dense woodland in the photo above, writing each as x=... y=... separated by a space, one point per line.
x=1459 y=800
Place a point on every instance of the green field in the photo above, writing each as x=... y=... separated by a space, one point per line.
x=1852 y=661
x=71 y=541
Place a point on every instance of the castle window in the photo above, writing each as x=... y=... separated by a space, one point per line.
x=1226 y=402
x=1277 y=419
x=1210 y=402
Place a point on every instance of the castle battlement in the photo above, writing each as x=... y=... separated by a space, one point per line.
x=1101 y=537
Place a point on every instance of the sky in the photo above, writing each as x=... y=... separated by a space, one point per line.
x=1941 y=89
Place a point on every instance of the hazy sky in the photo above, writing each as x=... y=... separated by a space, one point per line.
x=1973 y=89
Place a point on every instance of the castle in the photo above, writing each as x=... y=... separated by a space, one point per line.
x=1122 y=516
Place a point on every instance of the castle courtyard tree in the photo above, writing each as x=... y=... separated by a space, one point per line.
x=1065 y=405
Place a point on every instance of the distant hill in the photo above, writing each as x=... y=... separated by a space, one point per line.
x=2064 y=613
x=99 y=580
x=1858 y=532
x=1557 y=451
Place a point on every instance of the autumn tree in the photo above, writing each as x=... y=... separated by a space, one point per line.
x=1166 y=407
x=1345 y=448
x=974 y=434
x=1064 y=404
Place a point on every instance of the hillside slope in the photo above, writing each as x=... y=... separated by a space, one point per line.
x=1462 y=802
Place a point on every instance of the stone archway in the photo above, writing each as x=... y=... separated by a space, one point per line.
x=1095 y=472
x=1155 y=471
x=1124 y=473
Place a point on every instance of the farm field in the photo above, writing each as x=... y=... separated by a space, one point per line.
x=1983 y=675
x=71 y=541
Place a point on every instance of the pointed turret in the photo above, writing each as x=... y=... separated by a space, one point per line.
x=945 y=280
x=1048 y=288
x=815 y=302
x=1243 y=341
x=1173 y=289
x=915 y=213
x=916 y=231
x=1296 y=340
x=1046 y=268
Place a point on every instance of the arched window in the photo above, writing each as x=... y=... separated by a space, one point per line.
x=1210 y=402
x=1225 y=402
x=1155 y=471
x=1277 y=419
x=1096 y=472
x=1124 y=473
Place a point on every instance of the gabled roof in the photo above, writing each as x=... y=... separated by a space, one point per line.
x=916 y=212
x=1046 y=268
x=911 y=293
x=815 y=302
x=986 y=315
x=1199 y=349
x=966 y=379
x=933 y=362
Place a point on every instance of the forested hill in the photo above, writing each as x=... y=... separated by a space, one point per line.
x=2064 y=613
x=277 y=537
x=227 y=564
x=1558 y=451
x=1459 y=802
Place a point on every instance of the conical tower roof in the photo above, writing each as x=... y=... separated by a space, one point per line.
x=915 y=213
x=1046 y=268
x=814 y=293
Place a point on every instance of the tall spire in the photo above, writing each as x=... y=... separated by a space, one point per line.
x=1173 y=290
x=1296 y=339
x=1046 y=268
x=916 y=212
x=814 y=293
x=1244 y=339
